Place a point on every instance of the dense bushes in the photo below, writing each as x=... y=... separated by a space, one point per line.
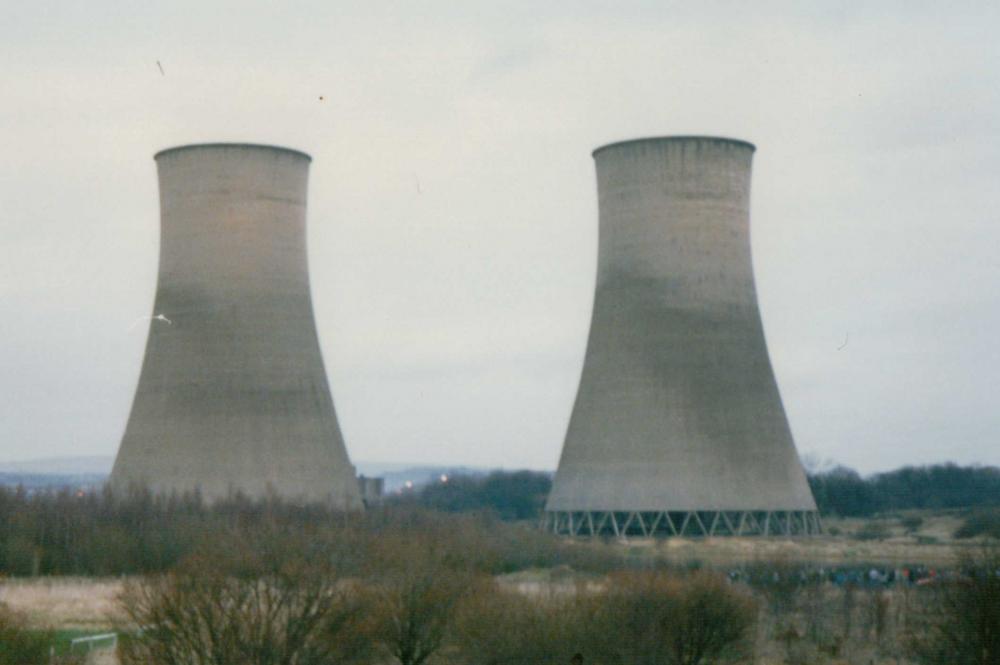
x=844 y=492
x=631 y=619
x=980 y=523
x=662 y=619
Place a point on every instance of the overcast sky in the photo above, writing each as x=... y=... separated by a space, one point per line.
x=452 y=206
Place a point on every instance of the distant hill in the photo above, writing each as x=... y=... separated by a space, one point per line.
x=63 y=466
x=93 y=470
x=56 y=472
x=398 y=475
x=44 y=481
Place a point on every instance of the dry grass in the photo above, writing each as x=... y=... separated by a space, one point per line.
x=63 y=603
x=89 y=604
x=85 y=603
x=931 y=545
x=822 y=551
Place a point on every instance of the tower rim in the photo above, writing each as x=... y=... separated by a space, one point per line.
x=254 y=146
x=677 y=137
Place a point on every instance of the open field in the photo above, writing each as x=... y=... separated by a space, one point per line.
x=72 y=603
x=803 y=617
x=827 y=551
x=63 y=603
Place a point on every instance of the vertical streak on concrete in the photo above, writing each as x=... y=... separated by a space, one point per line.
x=678 y=408
x=233 y=394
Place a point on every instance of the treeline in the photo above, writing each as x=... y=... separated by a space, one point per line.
x=843 y=491
x=517 y=495
x=98 y=533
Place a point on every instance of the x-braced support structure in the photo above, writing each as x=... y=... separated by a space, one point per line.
x=691 y=523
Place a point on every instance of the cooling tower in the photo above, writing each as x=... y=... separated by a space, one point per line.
x=233 y=395
x=678 y=426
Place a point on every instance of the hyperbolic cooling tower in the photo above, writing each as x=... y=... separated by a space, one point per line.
x=233 y=395
x=678 y=426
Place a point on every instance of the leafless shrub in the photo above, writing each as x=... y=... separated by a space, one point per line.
x=912 y=523
x=780 y=582
x=416 y=587
x=637 y=619
x=269 y=602
x=962 y=626
x=873 y=530
x=848 y=604
x=499 y=627
x=660 y=618
x=877 y=615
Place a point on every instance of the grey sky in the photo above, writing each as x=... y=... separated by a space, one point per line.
x=453 y=207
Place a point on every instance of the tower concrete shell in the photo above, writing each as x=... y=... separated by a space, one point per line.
x=678 y=426
x=233 y=394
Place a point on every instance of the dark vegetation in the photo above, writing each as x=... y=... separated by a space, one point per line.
x=20 y=645
x=517 y=495
x=95 y=533
x=17 y=644
x=980 y=523
x=842 y=491
x=273 y=583
x=961 y=623
x=98 y=534
x=838 y=491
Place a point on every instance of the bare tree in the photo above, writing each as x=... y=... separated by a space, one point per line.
x=416 y=595
x=281 y=609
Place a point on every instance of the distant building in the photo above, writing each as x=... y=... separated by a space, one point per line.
x=372 y=489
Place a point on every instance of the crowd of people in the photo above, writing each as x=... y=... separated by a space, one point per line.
x=859 y=576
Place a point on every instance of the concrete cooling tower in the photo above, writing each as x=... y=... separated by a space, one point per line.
x=233 y=395
x=678 y=427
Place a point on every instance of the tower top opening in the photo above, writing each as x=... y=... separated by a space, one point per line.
x=665 y=139
x=247 y=146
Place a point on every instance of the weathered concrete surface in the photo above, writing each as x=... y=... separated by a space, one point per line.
x=233 y=394
x=677 y=408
